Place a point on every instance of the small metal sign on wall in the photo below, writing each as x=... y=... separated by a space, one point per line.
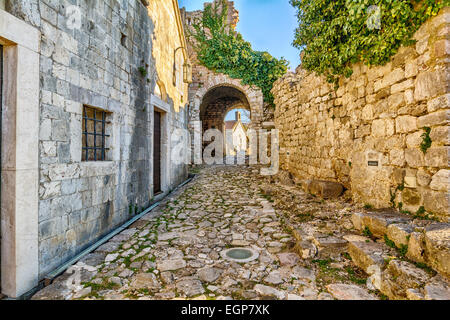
x=373 y=163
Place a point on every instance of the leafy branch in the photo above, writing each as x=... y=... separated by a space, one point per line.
x=221 y=49
x=334 y=34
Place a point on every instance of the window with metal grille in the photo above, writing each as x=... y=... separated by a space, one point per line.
x=95 y=134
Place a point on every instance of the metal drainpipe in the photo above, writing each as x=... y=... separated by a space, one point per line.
x=52 y=275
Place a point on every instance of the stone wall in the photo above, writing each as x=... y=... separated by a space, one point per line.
x=98 y=64
x=367 y=134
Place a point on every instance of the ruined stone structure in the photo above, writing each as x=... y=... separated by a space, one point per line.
x=213 y=95
x=366 y=135
x=66 y=62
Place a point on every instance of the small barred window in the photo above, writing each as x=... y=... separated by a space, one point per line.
x=95 y=134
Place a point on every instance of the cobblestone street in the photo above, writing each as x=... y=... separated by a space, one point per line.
x=175 y=251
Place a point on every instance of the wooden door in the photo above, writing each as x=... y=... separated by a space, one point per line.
x=157 y=153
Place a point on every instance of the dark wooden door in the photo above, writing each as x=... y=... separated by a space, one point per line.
x=157 y=153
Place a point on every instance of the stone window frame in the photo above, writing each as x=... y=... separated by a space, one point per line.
x=106 y=134
x=20 y=156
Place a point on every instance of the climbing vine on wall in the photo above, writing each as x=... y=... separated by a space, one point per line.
x=221 y=49
x=334 y=34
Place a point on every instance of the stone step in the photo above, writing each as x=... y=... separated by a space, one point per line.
x=378 y=222
x=366 y=254
x=400 y=233
x=400 y=279
x=426 y=241
x=329 y=246
x=437 y=247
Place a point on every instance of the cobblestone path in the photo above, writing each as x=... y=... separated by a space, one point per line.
x=175 y=251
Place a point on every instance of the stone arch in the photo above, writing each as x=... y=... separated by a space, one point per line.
x=211 y=81
x=160 y=90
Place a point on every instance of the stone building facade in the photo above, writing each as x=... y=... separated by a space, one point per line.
x=65 y=61
x=367 y=134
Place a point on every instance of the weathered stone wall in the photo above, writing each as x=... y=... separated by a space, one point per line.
x=367 y=133
x=98 y=65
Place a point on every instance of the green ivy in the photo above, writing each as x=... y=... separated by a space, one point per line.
x=426 y=140
x=334 y=34
x=222 y=49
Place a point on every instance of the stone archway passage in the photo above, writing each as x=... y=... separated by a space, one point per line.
x=210 y=89
x=217 y=103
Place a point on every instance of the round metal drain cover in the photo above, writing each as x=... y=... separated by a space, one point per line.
x=241 y=255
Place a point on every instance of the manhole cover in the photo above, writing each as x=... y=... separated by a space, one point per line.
x=241 y=255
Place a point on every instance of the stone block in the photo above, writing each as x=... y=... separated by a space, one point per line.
x=349 y=292
x=395 y=76
x=441 y=181
x=442 y=102
x=398 y=176
x=440 y=135
x=367 y=254
x=326 y=189
x=416 y=247
x=50 y=228
x=397 y=157
x=48 y=149
x=438 y=289
x=411 y=197
x=171 y=265
x=399 y=233
x=400 y=276
x=436 y=202
x=407 y=84
x=64 y=152
x=411 y=182
x=411 y=69
x=329 y=245
x=45 y=132
x=357 y=220
x=437 y=157
x=423 y=178
x=69 y=186
x=60 y=130
x=409 y=97
x=378 y=222
x=437 y=118
x=430 y=84
x=414 y=158
x=383 y=128
x=437 y=243
x=49 y=190
x=441 y=48
x=395 y=101
x=414 y=140
x=405 y=124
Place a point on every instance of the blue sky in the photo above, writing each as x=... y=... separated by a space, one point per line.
x=268 y=25
x=232 y=115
